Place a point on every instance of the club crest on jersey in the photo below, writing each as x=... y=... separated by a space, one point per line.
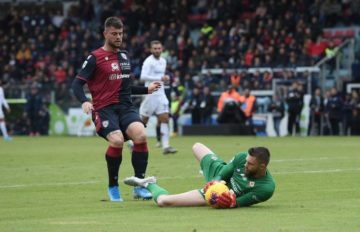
x=105 y=123
x=123 y=56
x=115 y=67
x=251 y=184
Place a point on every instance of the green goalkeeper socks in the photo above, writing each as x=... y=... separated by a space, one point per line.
x=156 y=191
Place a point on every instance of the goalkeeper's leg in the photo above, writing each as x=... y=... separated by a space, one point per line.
x=200 y=150
x=191 y=198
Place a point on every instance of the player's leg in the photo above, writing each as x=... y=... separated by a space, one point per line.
x=113 y=158
x=158 y=134
x=107 y=126
x=3 y=126
x=162 y=197
x=190 y=198
x=140 y=155
x=162 y=112
x=165 y=133
x=200 y=150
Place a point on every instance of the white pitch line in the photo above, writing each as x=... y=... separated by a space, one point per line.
x=48 y=184
x=311 y=159
x=317 y=171
x=181 y=177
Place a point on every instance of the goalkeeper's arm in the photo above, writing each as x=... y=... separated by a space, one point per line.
x=226 y=172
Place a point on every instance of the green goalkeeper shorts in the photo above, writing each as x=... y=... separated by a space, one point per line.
x=211 y=166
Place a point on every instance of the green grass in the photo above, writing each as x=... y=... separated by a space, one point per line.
x=59 y=184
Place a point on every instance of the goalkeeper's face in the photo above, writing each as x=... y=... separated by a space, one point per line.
x=252 y=166
x=113 y=37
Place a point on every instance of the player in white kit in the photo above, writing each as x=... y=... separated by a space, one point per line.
x=153 y=69
x=3 y=103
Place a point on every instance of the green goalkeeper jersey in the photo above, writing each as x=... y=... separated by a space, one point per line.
x=248 y=190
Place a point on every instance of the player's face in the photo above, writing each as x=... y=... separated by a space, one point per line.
x=113 y=37
x=252 y=166
x=156 y=50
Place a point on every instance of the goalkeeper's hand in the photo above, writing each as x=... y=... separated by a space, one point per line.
x=208 y=184
x=227 y=200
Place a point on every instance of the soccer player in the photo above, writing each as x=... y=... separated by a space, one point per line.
x=153 y=69
x=106 y=71
x=246 y=175
x=3 y=103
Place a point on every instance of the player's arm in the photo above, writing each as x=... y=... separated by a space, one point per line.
x=226 y=172
x=153 y=86
x=80 y=80
x=248 y=199
x=229 y=200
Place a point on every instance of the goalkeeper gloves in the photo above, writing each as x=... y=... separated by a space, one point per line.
x=227 y=200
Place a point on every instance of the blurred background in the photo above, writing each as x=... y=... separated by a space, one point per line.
x=264 y=68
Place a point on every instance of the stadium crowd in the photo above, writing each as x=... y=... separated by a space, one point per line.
x=42 y=47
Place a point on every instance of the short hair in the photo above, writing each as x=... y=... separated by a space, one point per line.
x=113 y=22
x=154 y=42
x=262 y=154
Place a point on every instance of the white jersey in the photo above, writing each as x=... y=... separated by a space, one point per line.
x=153 y=70
x=3 y=102
x=156 y=103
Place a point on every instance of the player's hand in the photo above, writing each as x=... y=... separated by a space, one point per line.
x=87 y=107
x=8 y=110
x=165 y=78
x=227 y=200
x=208 y=184
x=154 y=86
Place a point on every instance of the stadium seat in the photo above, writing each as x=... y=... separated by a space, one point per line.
x=327 y=34
x=350 y=33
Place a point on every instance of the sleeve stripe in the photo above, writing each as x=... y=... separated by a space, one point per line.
x=81 y=78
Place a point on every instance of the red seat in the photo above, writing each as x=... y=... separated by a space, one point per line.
x=327 y=34
x=350 y=33
x=337 y=41
x=339 y=33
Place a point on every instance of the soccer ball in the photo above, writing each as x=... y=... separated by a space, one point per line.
x=213 y=192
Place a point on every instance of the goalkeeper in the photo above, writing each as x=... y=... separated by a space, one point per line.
x=246 y=176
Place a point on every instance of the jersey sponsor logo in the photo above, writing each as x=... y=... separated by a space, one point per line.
x=235 y=187
x=115 y=67
x=125 y=66
x=123 y=56
x=105 y=123
x=118 y=76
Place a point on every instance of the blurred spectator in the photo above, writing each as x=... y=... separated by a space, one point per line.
x=277 y=109
x=195 y=106
x=33 y=110
x=248 y=105
x=294 y=101
x=346 y=114
x=316 y=112
x=330 y=53
x=229 y=95
x=207 y=106
x=355 y=122
x=333 y=110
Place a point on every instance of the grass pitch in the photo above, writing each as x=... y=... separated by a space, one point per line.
x=59 y=184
